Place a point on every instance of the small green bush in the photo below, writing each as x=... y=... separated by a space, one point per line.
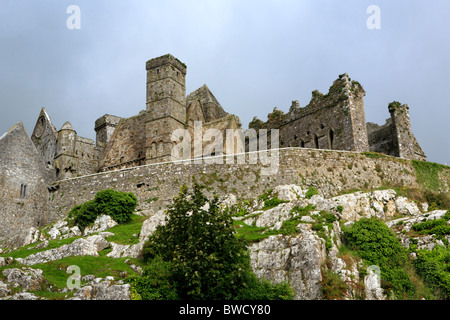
x=264 y=290
x=311 y=191
x=428 y=225
x=437 y=200
x=119 y=205
x=85 y=214
x=155 y=282
x=434 y=267
x=270 y=200
x=438 y=226
x=376 y=244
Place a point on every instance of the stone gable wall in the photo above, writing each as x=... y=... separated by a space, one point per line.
x=23 y=185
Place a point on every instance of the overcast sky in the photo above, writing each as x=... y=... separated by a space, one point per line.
x=253 y=55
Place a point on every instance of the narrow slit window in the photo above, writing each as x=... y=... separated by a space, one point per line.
x=316 y=142
x=23 y=190
x=331 y=138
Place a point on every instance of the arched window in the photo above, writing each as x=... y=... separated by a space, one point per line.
x=331 y=138
x=316 y=141
x=302 y=143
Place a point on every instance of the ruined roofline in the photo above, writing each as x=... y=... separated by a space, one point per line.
x=106 y=119
x=342 y=89
x=228 y=117
x=207 y=92
x=46 y=115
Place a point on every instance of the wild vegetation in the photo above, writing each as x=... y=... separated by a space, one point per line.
x=119 y=205
x=196 y=255
x=201 y=252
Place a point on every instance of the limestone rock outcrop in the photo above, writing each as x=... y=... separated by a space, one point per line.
x=296 y=260
x=299 y=259
x=103 y=289
x=80 y=247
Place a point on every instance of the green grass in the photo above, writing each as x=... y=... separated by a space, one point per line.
x=102 y=266
x=25 y=251
x=270 y=200
x=311 y=191
x=373 y=155
x=249 y=233
x=427 y=174
x=123 y=233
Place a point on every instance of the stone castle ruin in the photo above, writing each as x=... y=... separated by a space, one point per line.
x=32 y=167
x=335 y=121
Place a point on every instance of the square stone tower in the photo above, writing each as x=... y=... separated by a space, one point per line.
x=166 y=105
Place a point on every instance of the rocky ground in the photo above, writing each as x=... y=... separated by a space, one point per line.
x=299 y=258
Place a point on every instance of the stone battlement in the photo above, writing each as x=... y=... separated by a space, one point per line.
x=166 y=59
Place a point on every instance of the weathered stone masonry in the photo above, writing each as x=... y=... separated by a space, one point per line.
x=156 y=185
x=23 y=184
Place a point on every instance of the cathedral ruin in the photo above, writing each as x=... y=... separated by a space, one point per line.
x=33 y=169
x=334 y=121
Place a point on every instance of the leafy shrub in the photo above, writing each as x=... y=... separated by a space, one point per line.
x=376 y=244
x=437 y=200
x=428 y=225
x=83 y=215
x=434 y=268
x=155 y=282
x=264 y=290
x=208 y=260
x=119 y=205
x=440 y=230
x=438 y=226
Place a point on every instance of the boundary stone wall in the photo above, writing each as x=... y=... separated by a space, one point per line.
x=155 y=185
